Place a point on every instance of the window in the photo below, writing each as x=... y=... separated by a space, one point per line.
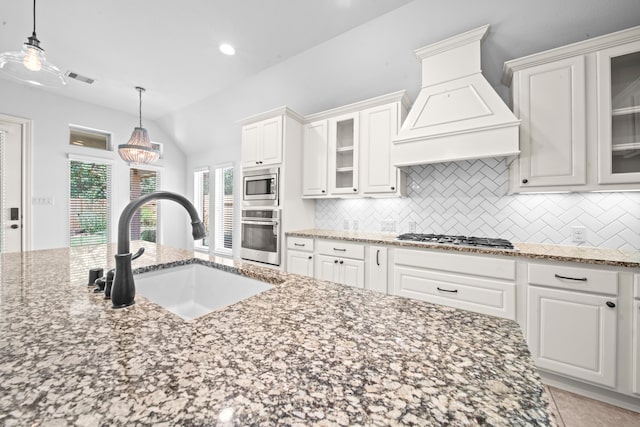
x=89 y=202
x=145 y=222
x=223 y=210
x=84 y=137
x=201 y=202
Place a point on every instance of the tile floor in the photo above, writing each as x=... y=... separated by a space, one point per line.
x=572 y=410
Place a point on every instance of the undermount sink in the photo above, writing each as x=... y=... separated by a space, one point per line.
x=194 y=290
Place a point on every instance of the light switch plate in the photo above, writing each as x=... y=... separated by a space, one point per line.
x=42 y=200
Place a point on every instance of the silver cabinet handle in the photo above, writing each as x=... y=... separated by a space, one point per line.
x=578 y=279
x=299 y=244
x=340 y=250
x=378 y=257
x=455 y=291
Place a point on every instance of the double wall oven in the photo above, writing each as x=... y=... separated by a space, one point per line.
x=261 y=216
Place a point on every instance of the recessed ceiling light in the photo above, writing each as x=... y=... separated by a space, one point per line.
x=227 y=49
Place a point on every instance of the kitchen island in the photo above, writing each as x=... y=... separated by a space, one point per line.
x=305 y=352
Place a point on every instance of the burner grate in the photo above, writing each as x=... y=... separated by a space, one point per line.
x=483 y=242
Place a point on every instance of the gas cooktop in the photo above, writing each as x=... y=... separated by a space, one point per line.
x=481 y=242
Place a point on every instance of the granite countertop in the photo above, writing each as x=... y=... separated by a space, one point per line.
x=581 y=254
x=304 y=353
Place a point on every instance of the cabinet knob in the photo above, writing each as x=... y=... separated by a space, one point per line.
x=341 y=262
x=310 y=257
x=323 y=191
x=393 y=188
x=355 y=189
x=335 y=261
x=257 y=163
x=610 y=304
x=525 y=180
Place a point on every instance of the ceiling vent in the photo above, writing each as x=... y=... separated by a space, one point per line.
x=79 y=77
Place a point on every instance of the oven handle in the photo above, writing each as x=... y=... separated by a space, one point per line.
x=260 y=222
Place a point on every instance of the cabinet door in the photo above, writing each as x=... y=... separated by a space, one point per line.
x=352 y=272
x=551 y=105
x=636 y=347
x=573 y=333
x=270 y=148
x=618 y=103
x=377 y=127
x=377 y=269
x=327 y=268
x=314 y=159
x=344 y=136
x=250 y=141
x=300 y=263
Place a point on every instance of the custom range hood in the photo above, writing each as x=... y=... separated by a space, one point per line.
x=457 y=114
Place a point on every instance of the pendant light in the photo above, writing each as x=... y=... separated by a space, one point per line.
x=139 y=149
x=30 y=65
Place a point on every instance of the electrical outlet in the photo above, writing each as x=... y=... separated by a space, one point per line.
x=345 y=224
x=42 y=200
x=412 y=226
x=356 y=225
x=388 y=225
x=578 y=233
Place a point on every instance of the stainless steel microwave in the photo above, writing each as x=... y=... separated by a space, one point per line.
x=260 y=187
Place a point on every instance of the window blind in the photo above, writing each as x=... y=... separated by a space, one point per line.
x=145 y=223
x=223 y=214
x=201 y=201
x=89 y=203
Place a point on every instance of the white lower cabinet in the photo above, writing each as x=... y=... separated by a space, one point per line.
x=300 y=263
x=340 y=270
x=377 y=269
x=481 y=284
x=300 y=256
x=573 y=333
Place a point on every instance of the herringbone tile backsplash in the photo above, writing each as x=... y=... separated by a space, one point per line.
x=470 y=198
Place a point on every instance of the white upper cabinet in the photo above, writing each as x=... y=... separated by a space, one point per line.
x=262 y=143
x=619 y=114
x=344 y=134
x=347 y=150
x=314 y=159
x=580 y=111
x=553 y=145
x=379 y=125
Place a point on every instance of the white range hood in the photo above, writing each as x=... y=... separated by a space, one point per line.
x=457 y=114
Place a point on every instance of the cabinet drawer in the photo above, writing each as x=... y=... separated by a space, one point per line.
x=341 y=249
x=574 y=278
x=469 y=293
x=300 y=243
x=458 y=263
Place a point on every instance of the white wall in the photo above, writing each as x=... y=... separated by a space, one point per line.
x=52 y=114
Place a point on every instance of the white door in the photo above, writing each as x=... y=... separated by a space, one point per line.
x=378 y=126
x=573 y=333
x=553 y=140
x=11 y=177
x=300 y=263
x=250 y=140
x=352 y=272
x=327 y=268
x=314 y=159
x=270 y=152
x=377 y=269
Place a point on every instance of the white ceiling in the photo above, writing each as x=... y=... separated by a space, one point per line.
x=171 y=47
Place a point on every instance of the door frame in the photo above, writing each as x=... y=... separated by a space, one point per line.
x=26 y=190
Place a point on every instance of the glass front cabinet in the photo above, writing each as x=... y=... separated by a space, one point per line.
x=618 y=103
